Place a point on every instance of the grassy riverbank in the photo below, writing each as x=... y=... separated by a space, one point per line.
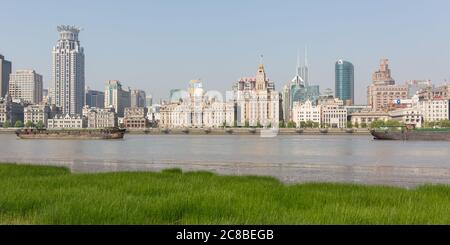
x=51 y=195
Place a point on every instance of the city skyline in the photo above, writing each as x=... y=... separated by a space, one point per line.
x=158 y=53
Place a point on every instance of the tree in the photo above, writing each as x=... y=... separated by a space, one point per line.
x=363 y=125
x=18 y=124
x=309 y=124
x=349 y=124
x=281 y=124
x=247 y=124
x=291 y=124
x=258 y=124
x=393 y=123
x=356 y=125
x=29 y=124
x=377 y=124
x=303 y=124
x=6 y=124
x=224 y=124
x=428 y=124
x=40 y=125
x=444 y=123
x=316 y=125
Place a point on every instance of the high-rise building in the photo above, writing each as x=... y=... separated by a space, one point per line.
x=68 y=71
x=383 y=75
x=148 y=101
x=26 y=85
x=345 y=82
x=304 y=70
x=137 y=98
x=117 y=97
x=95 y=98
x=382 y=93
x=5 y=70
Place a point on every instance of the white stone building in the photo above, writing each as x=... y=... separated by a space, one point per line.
x=257 y=102
x=303 y=112
x=205 y=115
x=100 y=117
x=368 y=116
x=408 y=116
x=36 y=114
x=434 y=110
x=334 y=114
x=26 y=85
x=67 y=121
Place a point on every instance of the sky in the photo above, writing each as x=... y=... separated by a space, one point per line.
x=160 y=45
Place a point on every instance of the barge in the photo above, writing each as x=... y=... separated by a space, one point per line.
x=103 y=134
x=411 y=134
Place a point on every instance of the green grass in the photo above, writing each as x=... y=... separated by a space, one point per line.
x=51 y=195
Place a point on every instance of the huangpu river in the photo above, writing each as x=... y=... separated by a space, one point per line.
x=292 y=159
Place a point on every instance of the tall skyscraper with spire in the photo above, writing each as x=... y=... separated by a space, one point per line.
x=304 y=70
x=68 y=89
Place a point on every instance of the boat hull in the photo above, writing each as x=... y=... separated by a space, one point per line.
x=72 y=134
x=411 y=135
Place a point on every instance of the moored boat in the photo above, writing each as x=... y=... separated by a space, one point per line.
x=106 y=133
x=410 y=134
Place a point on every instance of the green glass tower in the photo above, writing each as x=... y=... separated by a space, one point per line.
x=345 y=81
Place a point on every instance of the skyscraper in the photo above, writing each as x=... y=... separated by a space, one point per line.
x=304 y=70
x=5 y=70
x=116 y=97
x=26 y=85
x=137 y=98
x=95 y=98
x=345 y=81
x=68 y=71
x=383 y=91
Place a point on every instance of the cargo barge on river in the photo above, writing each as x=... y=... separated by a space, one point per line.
x=411 y=134
x=103 y=134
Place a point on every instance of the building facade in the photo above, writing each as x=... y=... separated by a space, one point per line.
x=345 y=81
x=116 y=97
x=5 y=70
x=67 y=121
x=10 y=111
x=434 y=110
x=438 y=93
x=407 y=116
x=95 y=98
x=100 y=117
x=257 y=102
x=304 y=112
x=333 y=112
x=137 y=98
x=368 y=116
x=382 y=93
x=36 y=114
x=135 y=117
x=68 y=83
x=26 y=85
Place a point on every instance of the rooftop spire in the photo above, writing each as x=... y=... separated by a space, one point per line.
x=306 y=55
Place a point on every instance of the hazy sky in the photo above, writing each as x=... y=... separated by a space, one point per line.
x=159 y=45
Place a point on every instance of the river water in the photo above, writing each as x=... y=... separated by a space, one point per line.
x=292 y=159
